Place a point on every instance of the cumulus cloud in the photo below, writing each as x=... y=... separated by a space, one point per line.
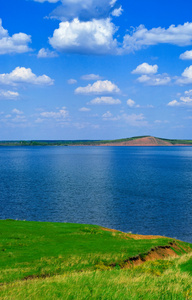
x=155 y=80
x=85 y=109
x=173 y=103
x=187 y=55
x=184 y=100
x=91 y=77
x=17 y=43
x=131 y=103
x=188 y=93
x=145 y=68
x=92 y=37
x=60 y=114
x=22 y=75
x=98 y=87
x=46 y=53
x=149 y=76
x=9 y=95
x=71 y=81
x=85 y=10
x=105 y=100
x=186 y=76
x=117 y=12
x=141 y=37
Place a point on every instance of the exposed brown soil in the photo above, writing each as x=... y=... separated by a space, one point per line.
x=145 y=141
x=159 y=252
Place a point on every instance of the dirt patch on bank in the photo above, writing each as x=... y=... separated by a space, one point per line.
x=145 y=141
x=158 y=252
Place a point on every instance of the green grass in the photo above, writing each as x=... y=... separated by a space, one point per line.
x=77 y=261
x=175 y=141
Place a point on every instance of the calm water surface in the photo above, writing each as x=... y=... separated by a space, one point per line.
x=146 y=190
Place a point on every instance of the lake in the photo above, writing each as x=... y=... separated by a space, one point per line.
x=144 y=190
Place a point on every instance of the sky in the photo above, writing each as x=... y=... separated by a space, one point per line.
x=95 y=69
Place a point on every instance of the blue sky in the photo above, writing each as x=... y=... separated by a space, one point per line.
x=95 y=69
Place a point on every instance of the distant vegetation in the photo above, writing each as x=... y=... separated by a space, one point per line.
x=174 y=141
x=76 y=261
x=84 y=142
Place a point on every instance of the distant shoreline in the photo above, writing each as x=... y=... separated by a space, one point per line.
x=140 y=141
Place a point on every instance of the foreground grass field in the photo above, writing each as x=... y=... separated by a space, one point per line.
x=75 y=261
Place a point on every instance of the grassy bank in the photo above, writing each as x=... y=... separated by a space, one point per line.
x=75 y=261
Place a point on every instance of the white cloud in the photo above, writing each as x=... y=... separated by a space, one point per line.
x=46 y=53
x=112 y=2
x=9 y=95
x=23 y=75
x=145 y=68
x=60 y=114
x=186 y=76
x=17 y=111
x=84 y=109
x=131 y=103
x=187 y=72
x=188 y=92
x=91 y=77
x=92 y=37
x=155 y=80
x=107 y=115
x=105 y=100
x=186 y=55
x=85 y=10
x=141 y=37
x=184 y=100
x=117 y=12
x=173 y=103
x=99 y=87
x=17 y=43
x=71 y=81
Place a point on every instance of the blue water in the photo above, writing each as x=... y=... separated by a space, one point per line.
x=145 y=190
